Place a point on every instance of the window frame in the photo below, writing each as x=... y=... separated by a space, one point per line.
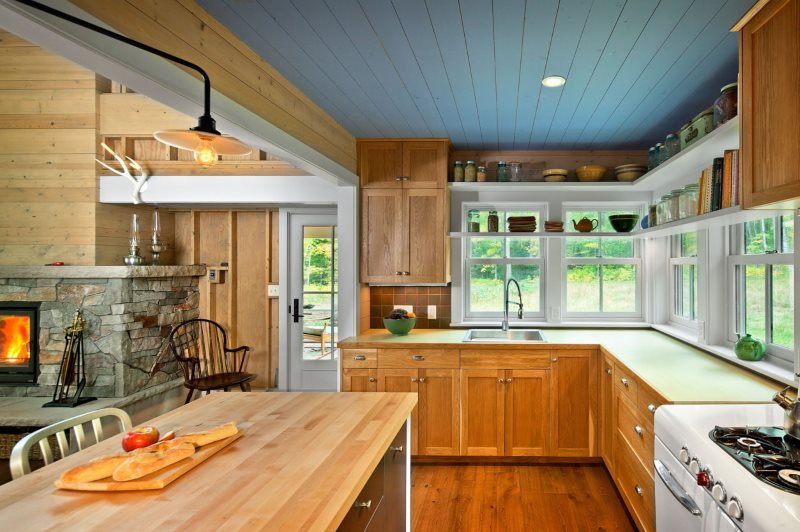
x=467 y=314
x=737 y=258
x=674 y=260
x=636 y=260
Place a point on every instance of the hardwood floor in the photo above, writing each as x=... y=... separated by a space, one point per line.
x=466 y=497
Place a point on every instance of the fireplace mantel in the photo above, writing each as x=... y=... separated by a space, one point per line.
x=100 y=272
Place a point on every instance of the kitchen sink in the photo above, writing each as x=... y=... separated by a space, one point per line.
x=510 y=336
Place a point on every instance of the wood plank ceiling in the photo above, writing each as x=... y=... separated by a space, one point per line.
x=471 y=69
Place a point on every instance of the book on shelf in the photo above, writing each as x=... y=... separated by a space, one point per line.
x=719 y=184
x=716 y=183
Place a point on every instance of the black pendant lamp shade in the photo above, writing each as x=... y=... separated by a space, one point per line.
x=204 y=140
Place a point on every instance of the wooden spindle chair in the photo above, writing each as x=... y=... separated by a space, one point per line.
x=201 y=348
x=20 y=455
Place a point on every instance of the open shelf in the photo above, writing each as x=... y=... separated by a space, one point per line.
x=731 y=215
x=540 y=186
x=540 y=234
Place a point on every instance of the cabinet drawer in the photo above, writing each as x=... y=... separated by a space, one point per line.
x=636 y=485
x=359 y=358
x=417 y=358
x=506 y=359
x=636 y=430
x=366 y=503
x=647 y=404
x=626 y=383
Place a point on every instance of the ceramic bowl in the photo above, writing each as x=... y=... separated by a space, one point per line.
x=630 y=172
x=590 y=172
x=623 y=223
x=399 y=327
x=552 y=178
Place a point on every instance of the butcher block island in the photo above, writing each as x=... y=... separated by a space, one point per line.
x=305 y=461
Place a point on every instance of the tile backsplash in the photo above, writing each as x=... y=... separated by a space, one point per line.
x=384 y=298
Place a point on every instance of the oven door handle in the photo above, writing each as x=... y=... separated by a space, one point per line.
x=677 y=491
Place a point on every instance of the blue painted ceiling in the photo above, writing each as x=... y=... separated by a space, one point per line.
x=471 y=69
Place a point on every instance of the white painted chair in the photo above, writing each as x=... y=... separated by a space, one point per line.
x=20 y=463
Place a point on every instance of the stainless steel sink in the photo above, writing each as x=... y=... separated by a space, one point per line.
x=510 y=336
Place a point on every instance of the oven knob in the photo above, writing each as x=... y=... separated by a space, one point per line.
x=703 y=479
x=684 y=455
x=718 y=492
x=734 y=509
x=694 y=466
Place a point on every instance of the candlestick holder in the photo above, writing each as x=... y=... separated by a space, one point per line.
x=156 y=244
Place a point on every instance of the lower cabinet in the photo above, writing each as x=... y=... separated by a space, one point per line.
x=381 y=503
x=504 y=412
x=574 y=403
x=606 y=408
x=359 y=380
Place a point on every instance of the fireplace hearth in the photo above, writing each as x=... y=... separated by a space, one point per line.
x=19 y=342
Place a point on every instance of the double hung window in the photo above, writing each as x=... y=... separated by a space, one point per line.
x=683 y=277
x=761 y=271
x=601 y=275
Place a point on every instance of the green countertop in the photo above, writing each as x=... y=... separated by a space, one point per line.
x=678 y=371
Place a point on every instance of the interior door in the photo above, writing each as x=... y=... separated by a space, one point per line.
x=313 y=301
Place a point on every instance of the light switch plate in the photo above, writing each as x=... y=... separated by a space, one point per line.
x=273 y=290
x=432 y=312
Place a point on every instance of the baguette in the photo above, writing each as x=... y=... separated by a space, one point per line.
x=145 y=463
x=96 y=469
x=198 y=439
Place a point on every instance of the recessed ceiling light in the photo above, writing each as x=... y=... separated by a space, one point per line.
x=554 y=81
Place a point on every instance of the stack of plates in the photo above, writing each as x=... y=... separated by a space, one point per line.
x=554 y=226
x=555 y=174
x=521 y=224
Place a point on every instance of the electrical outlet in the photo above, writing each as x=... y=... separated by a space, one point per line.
x=432 y=312
x=273 y=290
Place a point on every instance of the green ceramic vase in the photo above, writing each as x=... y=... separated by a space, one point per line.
x=749 y=348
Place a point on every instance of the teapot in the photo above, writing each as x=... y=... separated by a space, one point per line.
x=791 y=414
x=585 y=225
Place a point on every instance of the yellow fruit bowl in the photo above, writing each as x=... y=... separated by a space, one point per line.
x=590 y=172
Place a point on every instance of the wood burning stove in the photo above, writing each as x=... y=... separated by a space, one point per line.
x=19 y=342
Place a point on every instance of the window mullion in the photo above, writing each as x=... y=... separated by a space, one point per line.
x=768 y=303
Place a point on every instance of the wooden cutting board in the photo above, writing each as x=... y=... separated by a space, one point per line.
x=158 y=479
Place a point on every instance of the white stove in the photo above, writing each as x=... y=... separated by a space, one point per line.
x=732 y=497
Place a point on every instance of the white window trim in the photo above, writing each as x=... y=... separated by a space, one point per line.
x=674 y=260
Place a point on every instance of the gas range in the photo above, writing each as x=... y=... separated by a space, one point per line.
x=718 y=468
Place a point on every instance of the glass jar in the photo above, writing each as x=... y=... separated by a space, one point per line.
x=470 y=172
x=662 y=212
x=516 y=171
x=688 y=200
x=481 y=174
x=473 y=221
x=652 y=158
x=652 y=215
x=673 y=204
x=661 y=151
x=458 y=172
x=725 y=106
x=493 y=222
x=503 y=174
x=672 y=144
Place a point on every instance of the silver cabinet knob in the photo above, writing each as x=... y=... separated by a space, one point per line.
x=372 y=379
x=684 y=455
x=609 y=371
x=734 y=509
x=363 y=504
x=554 y=359
x=359 y=357
x=624 y=381
x=413 y=379
x=638 y=430
x=651 y=408
x=422 y=379
x=398 y=273
x=508 y=380
x=718 y=492
x=501 y=381
x=396 y=448
x=417 y=357
x=398 y=178
x=639 y=490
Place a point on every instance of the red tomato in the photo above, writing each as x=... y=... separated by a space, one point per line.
x=139 y=437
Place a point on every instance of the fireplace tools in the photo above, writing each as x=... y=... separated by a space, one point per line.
x=72 y=374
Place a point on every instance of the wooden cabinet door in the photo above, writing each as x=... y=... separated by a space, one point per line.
x=769 y=65
x=425 y=164
x=574 y=403
x=527 y=415
x=383 y=236
x=380 y=164
x=607 y=422
x=482 y=412
x=403 y=380
x=438 y=412
x=359 y=380
x=424 y=215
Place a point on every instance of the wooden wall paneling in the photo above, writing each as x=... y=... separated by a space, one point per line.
x=237 y=71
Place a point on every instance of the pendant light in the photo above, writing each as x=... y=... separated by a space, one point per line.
x=204 y=140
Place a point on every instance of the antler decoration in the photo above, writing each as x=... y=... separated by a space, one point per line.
x=138 y=181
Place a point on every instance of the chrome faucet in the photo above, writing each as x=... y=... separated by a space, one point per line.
x=504 y=325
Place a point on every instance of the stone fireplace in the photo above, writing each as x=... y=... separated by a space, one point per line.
x=129 y=312
x=19 y=342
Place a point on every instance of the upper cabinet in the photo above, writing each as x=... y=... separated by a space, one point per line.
x=403 y=163
x=769 y=66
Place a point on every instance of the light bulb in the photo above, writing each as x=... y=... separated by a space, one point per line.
x=205 y=154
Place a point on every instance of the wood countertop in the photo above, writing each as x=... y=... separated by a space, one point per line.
x=300 y=465
x=677 y=371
